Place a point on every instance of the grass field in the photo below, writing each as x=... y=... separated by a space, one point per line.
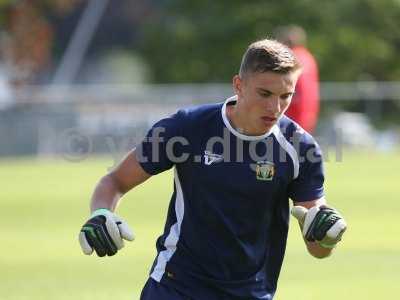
x=44 y=203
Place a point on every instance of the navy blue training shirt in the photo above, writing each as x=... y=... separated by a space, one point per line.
x=227 y=221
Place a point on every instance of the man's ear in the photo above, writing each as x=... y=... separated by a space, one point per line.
x=237 y=84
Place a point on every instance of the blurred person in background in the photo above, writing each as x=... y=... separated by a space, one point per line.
x=6 y=91
x=227 y=223
x=304 y=108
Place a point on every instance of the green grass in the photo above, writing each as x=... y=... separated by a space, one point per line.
x=44 y=203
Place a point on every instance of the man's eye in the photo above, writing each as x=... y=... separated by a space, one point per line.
x=265 y=95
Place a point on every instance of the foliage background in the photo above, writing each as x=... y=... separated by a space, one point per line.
x=202 y=41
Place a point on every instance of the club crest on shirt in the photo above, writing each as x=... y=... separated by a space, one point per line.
x=265 y=170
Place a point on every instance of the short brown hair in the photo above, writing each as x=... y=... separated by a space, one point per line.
x=268 y=56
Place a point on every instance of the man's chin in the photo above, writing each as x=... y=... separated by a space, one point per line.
x=268 y=124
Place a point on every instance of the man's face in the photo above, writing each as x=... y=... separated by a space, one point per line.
x=263 y=98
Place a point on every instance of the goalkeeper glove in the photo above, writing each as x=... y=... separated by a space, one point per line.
x=321 y=224
x=104 y=232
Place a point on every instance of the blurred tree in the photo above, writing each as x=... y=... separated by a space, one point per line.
x=37 y=33
x=28 y=43
x=28 y=37
x=203 y=40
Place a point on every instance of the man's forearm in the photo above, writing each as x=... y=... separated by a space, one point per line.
x=106 y=194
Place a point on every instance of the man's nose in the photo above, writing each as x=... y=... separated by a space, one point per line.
x=274 y=106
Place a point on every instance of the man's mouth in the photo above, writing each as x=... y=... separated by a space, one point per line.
x=269 y=119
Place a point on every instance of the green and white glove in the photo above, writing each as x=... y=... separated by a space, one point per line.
x=104 y=233
x=321 y=224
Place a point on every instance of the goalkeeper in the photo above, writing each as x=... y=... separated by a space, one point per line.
x=236 y=165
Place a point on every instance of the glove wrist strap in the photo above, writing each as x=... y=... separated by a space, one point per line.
x=327 y=246
x=100 y=211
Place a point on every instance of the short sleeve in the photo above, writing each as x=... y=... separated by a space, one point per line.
x=309 y=185
x=164 y=145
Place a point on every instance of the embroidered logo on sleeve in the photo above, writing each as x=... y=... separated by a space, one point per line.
x=211 y=158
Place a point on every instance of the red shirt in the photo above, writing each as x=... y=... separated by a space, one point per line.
x=304 y=108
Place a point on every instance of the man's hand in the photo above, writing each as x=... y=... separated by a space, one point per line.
x=104 y=232
x=320 y=224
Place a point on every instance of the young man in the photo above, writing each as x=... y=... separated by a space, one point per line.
x=237 y=164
